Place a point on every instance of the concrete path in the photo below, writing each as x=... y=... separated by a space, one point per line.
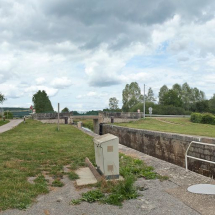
x=13 y=123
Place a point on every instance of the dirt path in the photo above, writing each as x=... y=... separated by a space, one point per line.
x=173 y=123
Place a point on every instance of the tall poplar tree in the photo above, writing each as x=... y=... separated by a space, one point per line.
x=41 y=102
x=131 y=96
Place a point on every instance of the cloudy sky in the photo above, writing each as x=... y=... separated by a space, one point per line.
x=82 y=52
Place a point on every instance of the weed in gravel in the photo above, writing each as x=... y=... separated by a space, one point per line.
x=57 y=183
x=92 y=196
x=73 y=176
x=76 y=202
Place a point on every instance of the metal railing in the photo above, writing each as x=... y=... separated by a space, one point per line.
x=188 y=156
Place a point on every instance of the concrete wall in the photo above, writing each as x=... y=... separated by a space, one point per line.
x=167 y=146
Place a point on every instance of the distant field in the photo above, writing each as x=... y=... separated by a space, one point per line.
x=173 y=125
x=3 y=122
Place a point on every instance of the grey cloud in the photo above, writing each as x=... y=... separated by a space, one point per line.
x=90 y=23
x=103 y=81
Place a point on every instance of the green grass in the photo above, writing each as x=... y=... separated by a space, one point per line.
x=172 y=125
x=3 y=122
x=31 y=148
x=73 y=176
x=57 y=183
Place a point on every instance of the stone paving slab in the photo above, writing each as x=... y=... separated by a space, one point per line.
x=85 y=177
x=10 y=125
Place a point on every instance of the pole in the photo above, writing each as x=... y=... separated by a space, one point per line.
x=58 y=116
x=144 y=105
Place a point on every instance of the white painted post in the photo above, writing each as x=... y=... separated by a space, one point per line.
x=144 y=105
x=58 y=116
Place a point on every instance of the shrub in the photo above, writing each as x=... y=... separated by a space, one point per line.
x=196 y=117
x=208 y=118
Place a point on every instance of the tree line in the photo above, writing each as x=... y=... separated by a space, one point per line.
x=180 y=99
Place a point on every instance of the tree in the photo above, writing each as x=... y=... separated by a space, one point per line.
x=150 y=96
x=41 y=102
x=177 y=88
x=172 y=98
x=186 y=96
x=65 y=110
x=212 y=104
x=164 y=89
x=2 y=98
x=113 y=103
x=131 y=96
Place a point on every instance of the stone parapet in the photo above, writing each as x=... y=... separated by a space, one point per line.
x=170 y=147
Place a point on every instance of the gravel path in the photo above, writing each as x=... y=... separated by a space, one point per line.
x=13 y=123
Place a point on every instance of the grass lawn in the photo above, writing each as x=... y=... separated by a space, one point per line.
x=3 y=122
x=172 y=125
x=31 y=148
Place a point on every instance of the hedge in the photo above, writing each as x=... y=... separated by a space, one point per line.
x=205 y=118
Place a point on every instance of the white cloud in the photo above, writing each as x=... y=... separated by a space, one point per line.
x=33 y=89
x=61 y=83
x=40 y=80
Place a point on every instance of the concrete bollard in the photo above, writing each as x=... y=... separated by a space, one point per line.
x=71 y=121
x=79 y=124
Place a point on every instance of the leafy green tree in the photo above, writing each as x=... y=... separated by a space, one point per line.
x=172 y=98
x=65 y=110
x=2 y=98
x=163 y=90
x=113 y=103
x=177 y=88
x=41 y=102
x=131 y=96
x=150 y=96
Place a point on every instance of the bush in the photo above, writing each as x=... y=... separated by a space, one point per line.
x=196 y=117
x=208 y=118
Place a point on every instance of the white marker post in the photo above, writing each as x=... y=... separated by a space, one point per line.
x=144 y=105
x=58 y=116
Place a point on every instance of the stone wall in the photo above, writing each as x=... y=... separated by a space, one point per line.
x=117 y=120
x=167 y=146
x=55 y=121
x=41 y=116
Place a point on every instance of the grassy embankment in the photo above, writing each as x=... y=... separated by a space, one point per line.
x=172 y=125
x=33 y=148
x=3 y=122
